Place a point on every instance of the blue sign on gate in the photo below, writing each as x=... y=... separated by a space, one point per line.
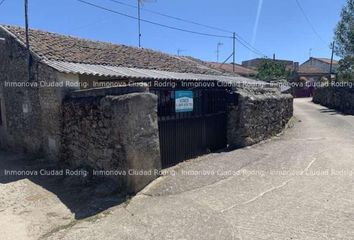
x=184 y=101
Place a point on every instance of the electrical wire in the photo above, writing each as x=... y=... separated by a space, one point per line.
x=2 y=2
x=154 y=23
x=309 y=21
x=249 y=47
x=239 y=38
x=172 y=17
x=242 y=42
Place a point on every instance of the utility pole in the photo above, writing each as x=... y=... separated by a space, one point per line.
x=139 y=22
x=234 y=51
x=331 y=67
x=218 y=50
x=27 y=41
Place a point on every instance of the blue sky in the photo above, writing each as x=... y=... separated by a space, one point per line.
x=282 y=28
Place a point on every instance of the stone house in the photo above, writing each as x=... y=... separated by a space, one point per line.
x=57 y=102
x=31 y=115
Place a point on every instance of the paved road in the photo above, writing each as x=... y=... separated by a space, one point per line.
x=299 y=185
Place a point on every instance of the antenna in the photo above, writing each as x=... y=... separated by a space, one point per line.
x=218 y=45
x=179 y=51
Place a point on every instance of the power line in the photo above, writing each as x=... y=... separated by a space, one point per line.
x=238 y=37
x=309 y=21
x=172 y=17
x=2 y=2
x=242 y=42
x=249 y=47
x=154 y=23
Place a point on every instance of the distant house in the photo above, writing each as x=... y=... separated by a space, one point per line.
x=318 y=67
x=256 y=63
x=237 y=69
x=312 y=71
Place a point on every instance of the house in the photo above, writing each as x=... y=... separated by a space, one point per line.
x=311 y=72
x=31 y=109
x=163 y=110
x=50 y=107
x=226 y=68
x=256 y=63
x=230 y=68
x=316 y=68
x=319 y=65
x=31 y=99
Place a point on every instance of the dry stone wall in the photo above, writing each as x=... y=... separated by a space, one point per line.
x=258 y=115
x=339 y=98
x=117 y=134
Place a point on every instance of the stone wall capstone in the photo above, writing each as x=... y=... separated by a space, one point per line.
x=258 y=115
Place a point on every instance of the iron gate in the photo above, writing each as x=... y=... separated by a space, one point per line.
x=185 y=135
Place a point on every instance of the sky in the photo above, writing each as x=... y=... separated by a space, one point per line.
x=270 y=26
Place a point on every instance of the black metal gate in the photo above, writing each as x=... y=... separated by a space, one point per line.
x=185 y=135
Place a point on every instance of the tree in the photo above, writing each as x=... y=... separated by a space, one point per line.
x=346 y=69
x=344 y=33
x=344 y=37
x=271 y=70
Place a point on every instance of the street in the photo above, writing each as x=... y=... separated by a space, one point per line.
x=299 y=185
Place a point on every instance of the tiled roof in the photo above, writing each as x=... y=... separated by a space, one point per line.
x=311 y=70
x=243 y=71
x=56 y=47
x=327 y=60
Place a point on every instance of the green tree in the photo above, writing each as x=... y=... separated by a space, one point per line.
x=346 y=69
x=271 y=70
x=344 y=38
x=344 y=34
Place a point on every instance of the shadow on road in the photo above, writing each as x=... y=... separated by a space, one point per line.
x=82 y=196
x=331 y=111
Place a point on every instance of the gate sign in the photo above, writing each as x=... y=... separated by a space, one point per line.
x=184 y=101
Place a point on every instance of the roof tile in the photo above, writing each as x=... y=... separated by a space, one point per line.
x=56 y=47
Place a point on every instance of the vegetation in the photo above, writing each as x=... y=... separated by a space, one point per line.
x=344 y=37
x=272 y=70
x=346 y=69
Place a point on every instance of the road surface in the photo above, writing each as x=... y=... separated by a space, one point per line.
x=299 y=185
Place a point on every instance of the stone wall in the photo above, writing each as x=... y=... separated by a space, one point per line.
x=258 y=115
x=31 y=110
x=339 y=98
x=22 y=127
x=113 y=133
